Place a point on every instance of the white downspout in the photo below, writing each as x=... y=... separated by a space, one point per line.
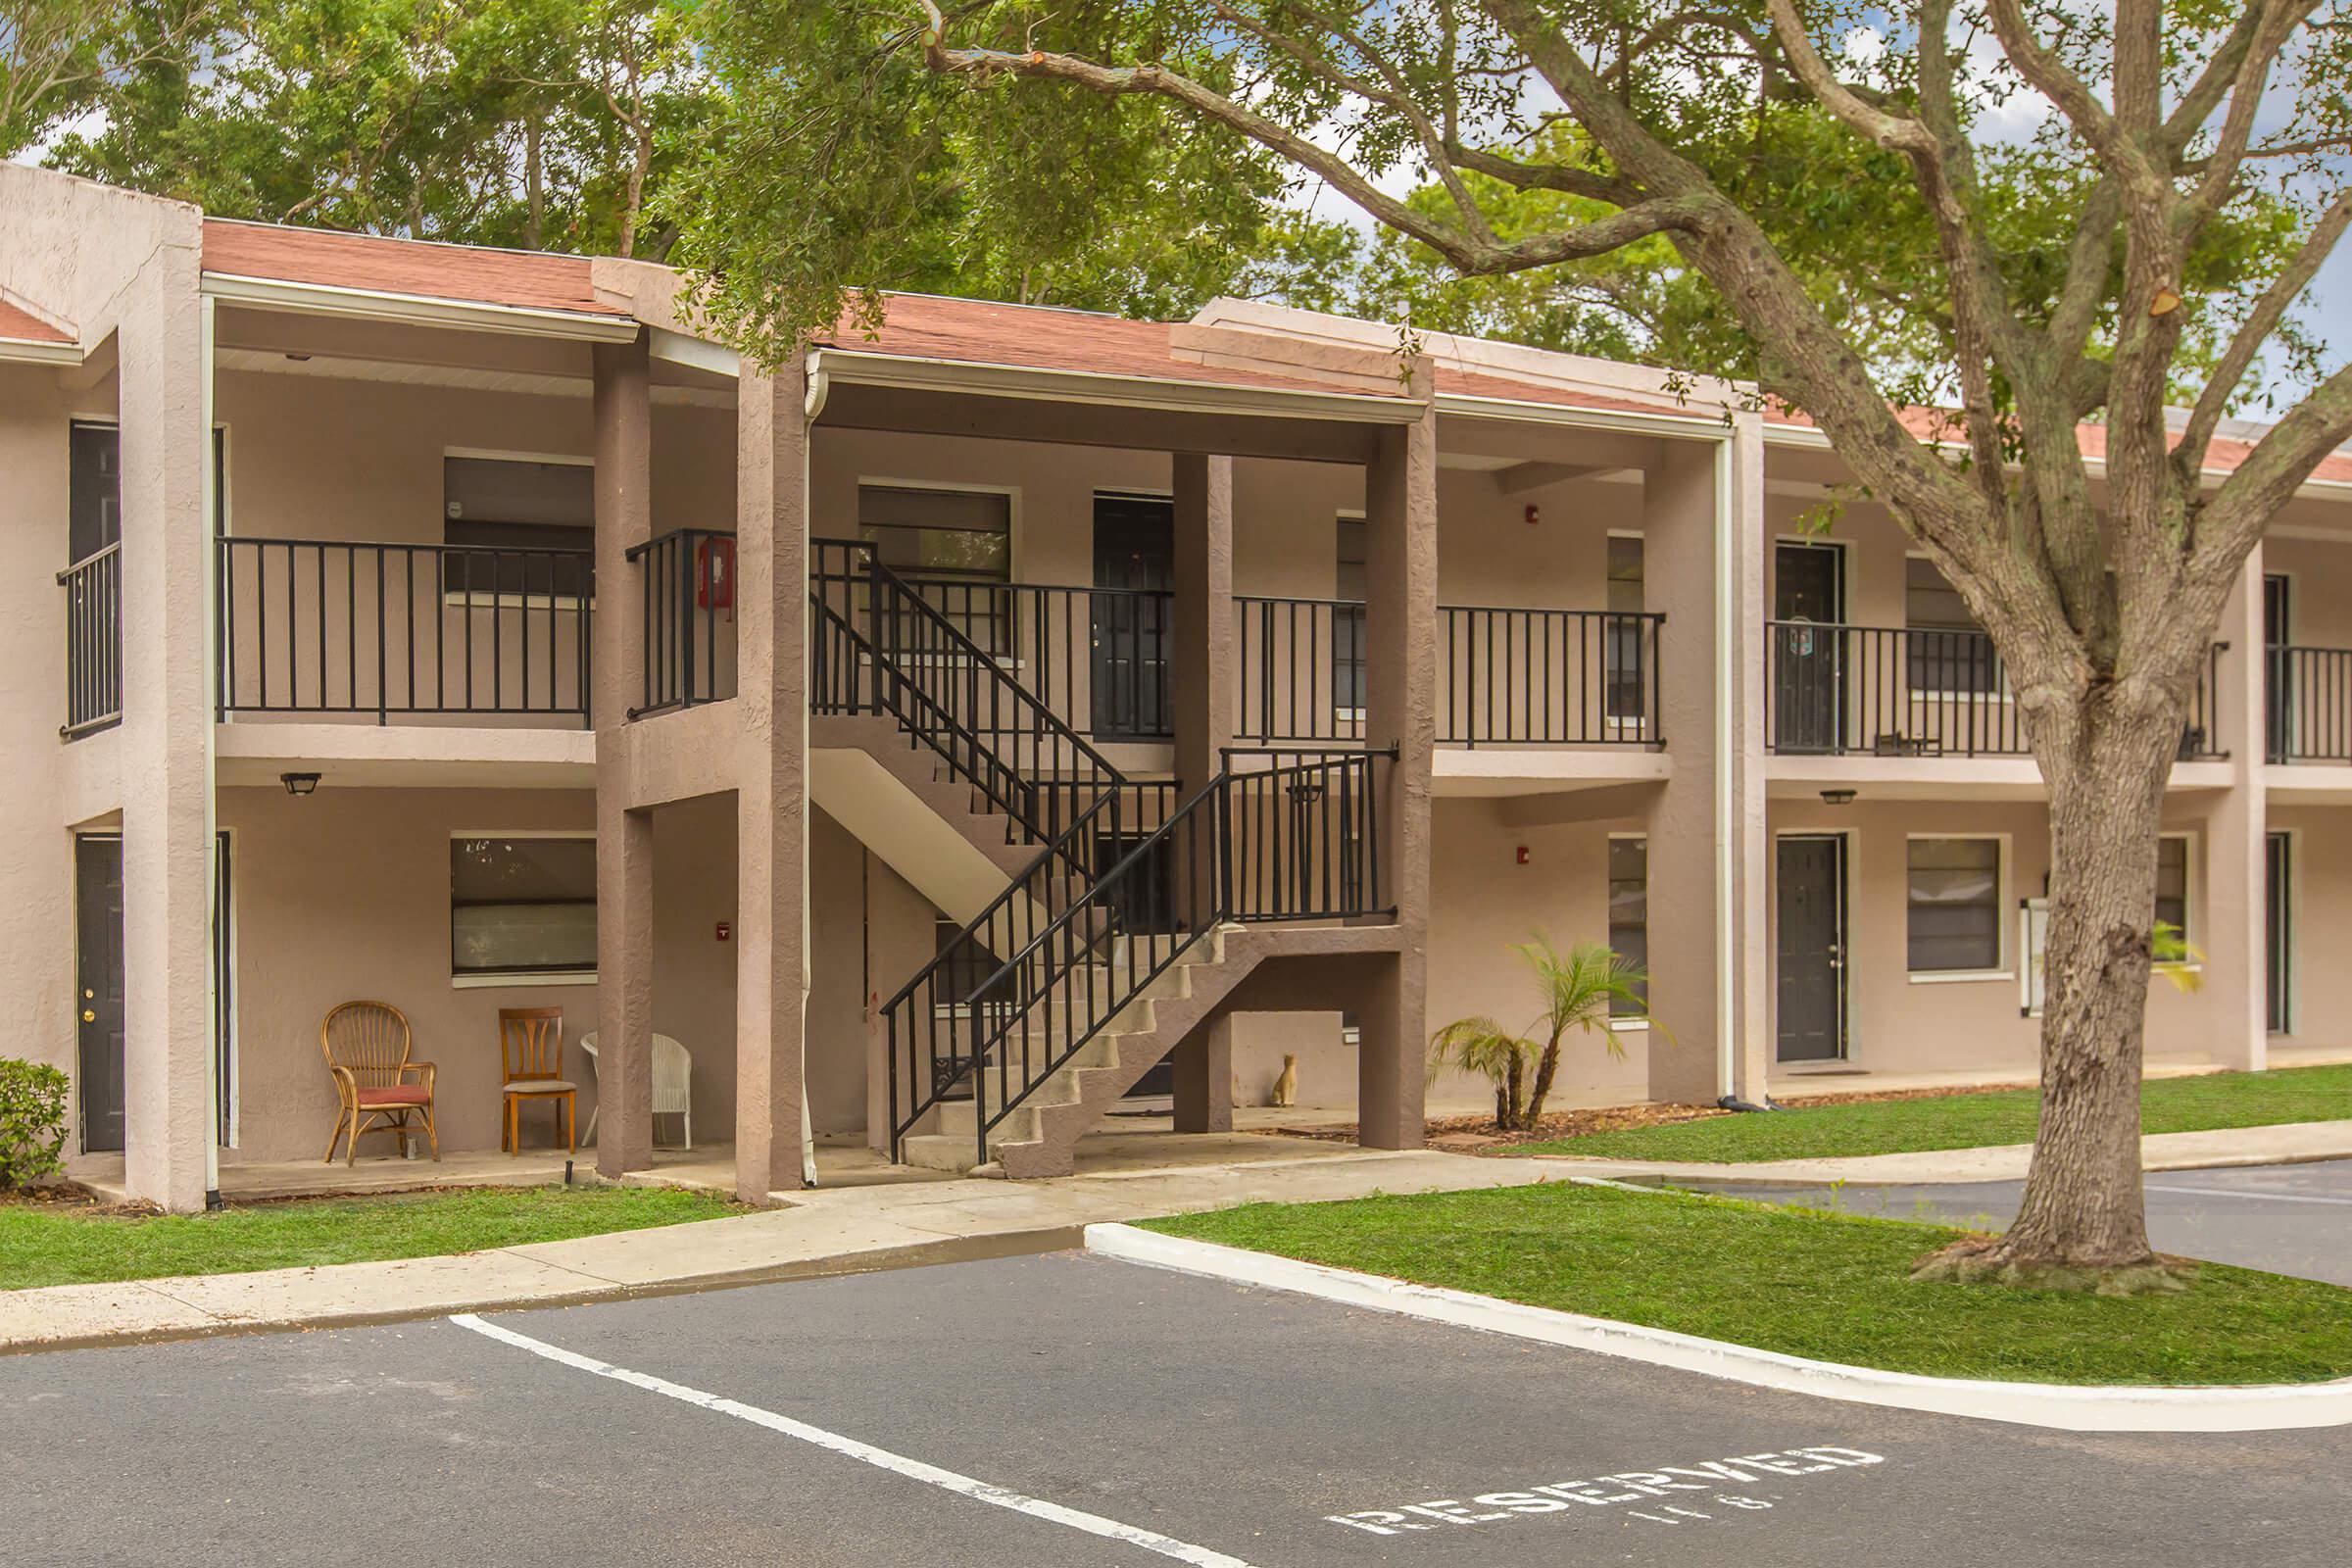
x=1729 y=677
x=216 y=916
x=813 y=404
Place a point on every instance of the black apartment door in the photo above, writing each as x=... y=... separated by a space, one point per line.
x=1135 y=564
x=1808 y=665
x=1811 y=951
x=98 y=921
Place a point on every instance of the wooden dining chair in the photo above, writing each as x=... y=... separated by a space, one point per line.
x=530 y=1050
x=377 y=1088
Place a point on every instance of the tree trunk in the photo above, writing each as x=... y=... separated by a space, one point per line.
x=1513 y=1083
x=1545 y=1070
x=2082 y=1221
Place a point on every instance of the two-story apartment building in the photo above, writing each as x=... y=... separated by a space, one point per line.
x=945 y=733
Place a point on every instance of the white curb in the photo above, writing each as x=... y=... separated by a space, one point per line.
x=2261 y=1408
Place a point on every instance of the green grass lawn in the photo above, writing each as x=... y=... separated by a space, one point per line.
x=1832 y=1287
x=1968 y=1121
x=50 y=1243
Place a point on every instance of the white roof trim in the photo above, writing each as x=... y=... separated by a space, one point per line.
x=475 y=315
x=1682 y=426
x=38 y=350
x=856 y=368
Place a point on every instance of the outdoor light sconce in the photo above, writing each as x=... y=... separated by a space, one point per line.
x=299 y=783
x=1836 y=797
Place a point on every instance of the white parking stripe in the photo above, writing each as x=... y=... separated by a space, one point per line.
x=2258 y=1198
x=863 y=1452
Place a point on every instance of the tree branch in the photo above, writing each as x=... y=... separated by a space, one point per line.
x=1469 y=253
x=2246 y=343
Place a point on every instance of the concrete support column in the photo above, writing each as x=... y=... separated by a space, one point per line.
x=1204 y=1078
x=1201 y=682
x=1710 y=956
x=1400 y=707
x=772 y=964
x=2235 y=935
x=624 y=839
x=166 y=744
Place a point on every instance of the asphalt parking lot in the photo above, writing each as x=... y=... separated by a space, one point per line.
x=1064 y=1409
x=2288 y=1219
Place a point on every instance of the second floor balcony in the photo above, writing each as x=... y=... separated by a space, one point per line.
x=1877 y=691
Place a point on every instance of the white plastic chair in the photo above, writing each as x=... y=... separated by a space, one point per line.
x=673 y=1084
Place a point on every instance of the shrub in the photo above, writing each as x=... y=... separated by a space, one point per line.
x=32 y=1122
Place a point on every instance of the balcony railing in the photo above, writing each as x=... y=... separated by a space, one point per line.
x=686 y=598
x=1831 y=690
x=1505 y=675
x=337 y=627
x=2307 y=713
x=1547 y=677
x=94 y=642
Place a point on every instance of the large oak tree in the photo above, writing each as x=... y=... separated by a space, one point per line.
x=2031 y=213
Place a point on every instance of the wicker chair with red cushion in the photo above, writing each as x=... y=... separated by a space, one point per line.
x=377 y=1088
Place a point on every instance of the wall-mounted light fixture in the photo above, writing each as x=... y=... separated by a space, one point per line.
x=299 y=783
x=1836 y=797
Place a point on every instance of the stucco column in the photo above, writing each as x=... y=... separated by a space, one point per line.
x=2234 y=935
x=1710 y=959
x=1200 y=682
x=624 y=839
x=772 y=964
x=166 y=733
x=1400 y=705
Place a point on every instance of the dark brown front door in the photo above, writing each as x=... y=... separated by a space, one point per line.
x=1811 y=948
x=98 y=923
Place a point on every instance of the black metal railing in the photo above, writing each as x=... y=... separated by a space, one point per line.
x=1901 y=692
x=2307 y=704
x=1505 y=675
x=1289 y=840
x=1097 y=657
x=1301 y=669
x=686 y=591
x=93 y=588
x=1547 y=677
x=334 y=627
x=878 y=645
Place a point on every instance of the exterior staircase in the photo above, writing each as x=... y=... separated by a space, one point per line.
x=1104 y=918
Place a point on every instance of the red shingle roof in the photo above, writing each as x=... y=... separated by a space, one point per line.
x=520 y=279
x=1481 y=384
x=1044 y=338
x=26 y=327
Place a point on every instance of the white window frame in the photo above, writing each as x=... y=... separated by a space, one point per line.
x=2005 y=963
x=511 y=979
x=1625 y=1026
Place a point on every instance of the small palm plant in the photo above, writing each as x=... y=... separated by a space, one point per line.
x=1579 y=988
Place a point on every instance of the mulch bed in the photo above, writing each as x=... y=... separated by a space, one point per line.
x=1477 y=1135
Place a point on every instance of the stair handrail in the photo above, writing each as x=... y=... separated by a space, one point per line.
x=1063 y=926
x=1043 y=720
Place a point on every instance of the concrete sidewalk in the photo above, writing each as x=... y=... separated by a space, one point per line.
x=856 y=1229
x=2291 y=1144
x=845 y=1230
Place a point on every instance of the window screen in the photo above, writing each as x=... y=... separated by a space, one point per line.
x=517 y=527
x=94 y=491
x=1629 y=912
x=1955 y=897
x=1348 y=623
x=2172 y=883
x=522 y=906
x=938 y=533
x=1946 y=649
x=1623 y=637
